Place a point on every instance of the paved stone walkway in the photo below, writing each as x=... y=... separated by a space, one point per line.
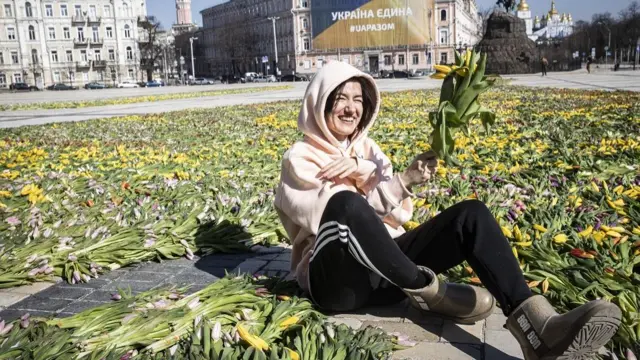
x=437 y=339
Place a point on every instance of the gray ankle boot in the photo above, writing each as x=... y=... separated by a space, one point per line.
x=576 y=335
x=460 y=303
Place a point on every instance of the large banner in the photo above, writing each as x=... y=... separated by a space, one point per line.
x=369 y=23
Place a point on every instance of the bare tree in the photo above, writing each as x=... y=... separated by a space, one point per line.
x=150 y=46
x=484 y=15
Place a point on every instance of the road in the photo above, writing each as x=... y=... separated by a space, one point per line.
x=627 y=80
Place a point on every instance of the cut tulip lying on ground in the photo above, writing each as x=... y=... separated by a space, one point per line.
x=458 y=106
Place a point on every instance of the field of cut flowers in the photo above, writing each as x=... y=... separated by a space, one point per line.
x=135 y=99
x=559 y=171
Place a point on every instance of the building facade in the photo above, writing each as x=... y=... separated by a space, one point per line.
x=239 y=37
x=551 y=26
x=73 y=42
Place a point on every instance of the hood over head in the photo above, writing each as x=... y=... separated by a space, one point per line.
x=311 y=120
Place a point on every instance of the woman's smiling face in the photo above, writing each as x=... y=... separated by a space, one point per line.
x=346 y=112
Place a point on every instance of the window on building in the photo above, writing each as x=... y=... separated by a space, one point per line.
x=14 y=57
x=1 y=58
x=34 y=56
x=28 y=10
x=3 y=80
x=83 y=55
x=109 y=32
x=96 y=33
x=48 y=10
x=85 y=76
x=32 y=32
x=415 y=59
x=305 y=23
x=56 y=76
x=387 y=60
x=67 y=33
x=72 y=76
x=81 y=34
x=92 y=11
x=52 y=33
x=305 y=4
x=11 y=33
x=129 y=53
x=69 y=55
x=127 y=31
x=444 y=37
x=78 y=10
x=305 y=44
x=107 y=11
x=63 y=10
x=443 y=58
x=97 y=55
x=112 y=54
x=130 y=73
x=443 y=15
x=7 y=10
x=54 y=56
x=17 y=78
x=401 y=59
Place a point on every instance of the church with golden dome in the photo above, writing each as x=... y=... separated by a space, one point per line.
x=552 y=24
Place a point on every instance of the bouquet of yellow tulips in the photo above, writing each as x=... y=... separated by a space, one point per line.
x=463 y=84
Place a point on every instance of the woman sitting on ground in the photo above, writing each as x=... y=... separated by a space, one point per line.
x=343 y=208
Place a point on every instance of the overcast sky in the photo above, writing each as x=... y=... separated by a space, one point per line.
x=165 y=11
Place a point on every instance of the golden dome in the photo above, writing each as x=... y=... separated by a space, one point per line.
x=570 y=18
x=553 y=10
x=537 y=19
x=523 y=6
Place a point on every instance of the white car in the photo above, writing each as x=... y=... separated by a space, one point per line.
x=128 y=84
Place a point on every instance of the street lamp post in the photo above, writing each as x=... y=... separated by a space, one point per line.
x=193 y=71
x=275 y=44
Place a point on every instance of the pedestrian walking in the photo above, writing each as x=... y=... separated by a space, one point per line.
x=545 y=64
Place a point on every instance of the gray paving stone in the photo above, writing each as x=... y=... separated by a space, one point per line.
x=463 y=334
x=278 y=265
x=31 y=288
x=273 y=273
x=92 y=284
x=496 y=322
x=440 y=351
x=80 y=306
x=166 y=267
x=393 y=313
x=416 y=333
x=9 y=315
x=352 y=323
x=213 y=261
x=7 y=299
x=138 y=275
x=267 y=257
x=285 y=256
x=421 y=317
x=250 y=266
x=59 y=292
x=33 y=303
x=501 y=345
x=194 y=276
x=136 y=286
x=100 y=296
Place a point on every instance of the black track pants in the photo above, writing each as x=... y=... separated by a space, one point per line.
x=353 y=246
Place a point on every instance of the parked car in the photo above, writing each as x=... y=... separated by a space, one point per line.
x=230 y=79
x=60 y=86
x=128 y=84
x=202 y=81
x=23 y=87
x=292 y=77
x=154 y=83
x=394 y=74
x=95 y=85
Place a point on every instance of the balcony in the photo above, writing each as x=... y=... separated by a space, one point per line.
x=83 y=64
x=85 y=19
x=96 y=42
x=80 y=42
x=99 y=64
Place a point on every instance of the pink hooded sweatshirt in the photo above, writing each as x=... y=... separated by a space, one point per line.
x=301 y=197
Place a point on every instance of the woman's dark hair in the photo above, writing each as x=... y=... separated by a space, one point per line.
x=368 y=101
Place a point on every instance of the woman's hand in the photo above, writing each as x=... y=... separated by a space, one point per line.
x=421 y=170
x=340 y=168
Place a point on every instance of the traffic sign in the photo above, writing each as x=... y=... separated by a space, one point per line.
x=265 y=59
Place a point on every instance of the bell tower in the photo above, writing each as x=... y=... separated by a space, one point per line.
x=183 y=12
